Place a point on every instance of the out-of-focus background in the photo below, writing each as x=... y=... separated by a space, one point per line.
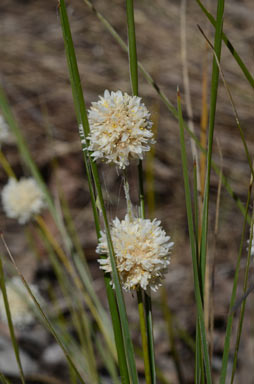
x=34 y=74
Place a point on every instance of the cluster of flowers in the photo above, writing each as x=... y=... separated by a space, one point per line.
x=120 y=130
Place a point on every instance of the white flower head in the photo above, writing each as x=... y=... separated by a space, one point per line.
x=120 y=128
x=22 y=199
x=20 y=303
x=142 y=252
x=5 y=135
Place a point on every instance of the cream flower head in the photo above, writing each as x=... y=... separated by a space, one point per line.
x=20 y=303
x=22 y=199
x=120 y=128
x=142 y=251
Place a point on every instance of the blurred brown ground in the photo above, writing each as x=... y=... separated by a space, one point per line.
x=34 y=74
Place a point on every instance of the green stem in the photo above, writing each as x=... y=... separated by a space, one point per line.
x=193 y=242
x=123 y=368
x=149 y=329
x=6 y=165
x=132 y=47
x=144 y=336
x=213 y=103
x=133 y=62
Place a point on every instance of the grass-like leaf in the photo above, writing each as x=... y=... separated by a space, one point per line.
x=213 y=102
x=193 y=243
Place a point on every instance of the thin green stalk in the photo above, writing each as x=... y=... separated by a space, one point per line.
x=196 y=205
x=197 y=357
x=149 y=330
x=133 y=63
x=142 y=322
x=169 y=105
x=132 y=47
x=193 y=243
x=6 y=165
x=234 y=53
x=240 y=324
x=233 y=297
x=199 y=365
x=82 y=117
x=10 y=323
x=213 y=102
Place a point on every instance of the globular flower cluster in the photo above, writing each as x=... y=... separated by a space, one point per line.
x=20 y=303
x=142 y=252
x=120 y=128
x=22 y=199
